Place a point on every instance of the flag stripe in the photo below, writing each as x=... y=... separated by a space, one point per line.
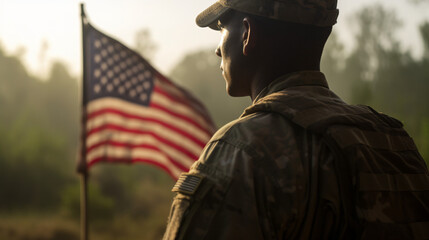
x=180 y=126
x=178 y=100
x=121 y=153
x=132 y=147
x=179 y=109
x=169 y=91
x=175 y=90
x=183 y=157
x=175 y=115
x=156 y=111
x=137 y=155
x=141 y=124
x=186 y=149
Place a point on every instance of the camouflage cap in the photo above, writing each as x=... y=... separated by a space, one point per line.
x=321 y=13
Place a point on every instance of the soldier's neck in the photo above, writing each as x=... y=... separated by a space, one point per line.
x=266 y=75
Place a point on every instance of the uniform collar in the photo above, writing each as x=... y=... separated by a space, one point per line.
x=303 y=78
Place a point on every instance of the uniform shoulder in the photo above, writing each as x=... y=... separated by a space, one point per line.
x=254 y=128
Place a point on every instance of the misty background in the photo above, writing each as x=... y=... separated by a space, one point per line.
x=39 y=126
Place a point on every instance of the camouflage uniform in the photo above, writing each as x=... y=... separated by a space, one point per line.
x=302 y=164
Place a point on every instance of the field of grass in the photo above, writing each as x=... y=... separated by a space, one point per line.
x=52 y=227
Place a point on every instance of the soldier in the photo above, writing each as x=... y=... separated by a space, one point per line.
x=299 y=163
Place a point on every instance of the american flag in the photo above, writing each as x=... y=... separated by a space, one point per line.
x=135 y=114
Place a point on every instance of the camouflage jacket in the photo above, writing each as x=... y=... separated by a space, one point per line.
x=302 y=164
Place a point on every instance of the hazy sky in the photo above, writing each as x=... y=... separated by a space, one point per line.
x=54 y=25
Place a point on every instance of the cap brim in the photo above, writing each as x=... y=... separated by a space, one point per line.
x=209 y=17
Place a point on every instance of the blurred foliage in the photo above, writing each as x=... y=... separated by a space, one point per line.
x=39 y=189
x=100 y=205
x=380 y=72
x=144 y=44
x=38 y=129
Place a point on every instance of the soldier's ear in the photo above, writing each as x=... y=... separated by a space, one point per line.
x=249 y=35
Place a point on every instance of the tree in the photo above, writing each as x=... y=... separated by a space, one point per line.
x=374 y=36
x=144 y=44
x=332 y=65
x=424 y=31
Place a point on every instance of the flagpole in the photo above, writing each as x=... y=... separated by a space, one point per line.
x=83 y=207
x=82 y=168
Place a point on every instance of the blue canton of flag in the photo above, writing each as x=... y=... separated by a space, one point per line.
x=116 y=71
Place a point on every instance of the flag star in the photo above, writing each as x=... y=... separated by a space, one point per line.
x=103 y=80
x=140 y=66
x=140 y=77
x=121 y=90
x=97 y=58
x=103 y=66
x=103 y=53
x=123 y=65
x=116 y=81
x=135 y=69
x=148 y=74
x=110 y=48
x=116 y=69
x=110 y=61
x=97 y=43
x=127 y=85
x=133 y=93
x=104 y=40
x=116 y=57
x=97 y=73
x=134 y=80
x=123 y=54
x=97 y=88
x=146 y=85
x=109 y=87
x=122 y=76
x=129 y=73
x=139 y=88
x=129 y=61
x=110 y=74
x=143 y=97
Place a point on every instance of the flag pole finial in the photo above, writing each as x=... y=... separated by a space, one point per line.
x=82 y=10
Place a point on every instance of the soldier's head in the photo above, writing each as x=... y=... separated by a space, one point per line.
x=263 y=39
